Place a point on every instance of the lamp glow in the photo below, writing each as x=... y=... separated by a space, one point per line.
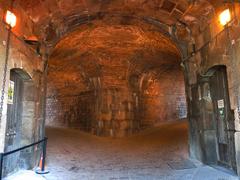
x=11 y=19
x=225 y=17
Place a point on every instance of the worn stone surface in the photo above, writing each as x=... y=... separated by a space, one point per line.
x=146 y=156
x=25 y=174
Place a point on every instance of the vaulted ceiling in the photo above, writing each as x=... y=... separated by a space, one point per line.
x=111 y=40
x=54 y=18
x=111 y=53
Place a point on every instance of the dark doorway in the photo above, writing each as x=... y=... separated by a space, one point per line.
x=223 y=118
x=217 y=119
x=14 y=118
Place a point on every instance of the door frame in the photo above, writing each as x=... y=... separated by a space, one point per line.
x=21 y=76
x=230 y=118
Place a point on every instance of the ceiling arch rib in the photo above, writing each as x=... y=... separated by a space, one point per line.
x=58 y=17
x=103 y=39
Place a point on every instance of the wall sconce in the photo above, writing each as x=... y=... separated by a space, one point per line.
x=225 y=17
x=34 y=42
x=11 y=19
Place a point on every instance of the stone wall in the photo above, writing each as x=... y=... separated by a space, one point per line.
x=71 y=111
x=121 y=111
x=164 y=98
x=105 y=113
x=23 y=59
x=217 y=46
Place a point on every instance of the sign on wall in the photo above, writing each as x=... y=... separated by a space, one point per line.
x=10 y=92
x=220 y=104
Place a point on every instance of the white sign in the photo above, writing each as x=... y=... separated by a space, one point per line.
x=10 y=92
x=220 y=103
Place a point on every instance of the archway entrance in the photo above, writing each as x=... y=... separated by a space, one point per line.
x=114 y=80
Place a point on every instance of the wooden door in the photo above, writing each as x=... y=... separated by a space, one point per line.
x=207 y=123
x=14 y=121
x=220 y=97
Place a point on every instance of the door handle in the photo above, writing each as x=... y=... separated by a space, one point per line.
x=232 y=130
x=11 y=133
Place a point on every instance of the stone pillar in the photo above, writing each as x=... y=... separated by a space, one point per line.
x=114 y=116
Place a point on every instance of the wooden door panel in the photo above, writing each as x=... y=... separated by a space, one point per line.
x=14 y=121
x=208 y=134
x=219 y=93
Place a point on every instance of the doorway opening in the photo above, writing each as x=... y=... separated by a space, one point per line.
x=19 y=127
x=217 y=135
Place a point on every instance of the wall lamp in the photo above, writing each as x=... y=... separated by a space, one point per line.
x=10 y=19
x=33 y=41
x=225 y=17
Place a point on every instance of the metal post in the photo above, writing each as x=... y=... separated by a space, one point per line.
x=44 y=154
x=1 y=165
x=44 y=110
x=42 y=169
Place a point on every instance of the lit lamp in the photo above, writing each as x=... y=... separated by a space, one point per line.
x=11 y=19
x=225 y=17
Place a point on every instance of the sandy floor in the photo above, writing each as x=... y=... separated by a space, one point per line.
x=25 y=175
x=159 y=153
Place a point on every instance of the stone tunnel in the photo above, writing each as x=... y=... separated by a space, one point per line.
x=112 y=80
x=119 y=89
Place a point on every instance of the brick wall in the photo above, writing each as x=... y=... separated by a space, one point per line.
x=164 y=99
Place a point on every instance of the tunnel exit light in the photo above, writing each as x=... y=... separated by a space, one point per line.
x=11 y=19
x=225 y=17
